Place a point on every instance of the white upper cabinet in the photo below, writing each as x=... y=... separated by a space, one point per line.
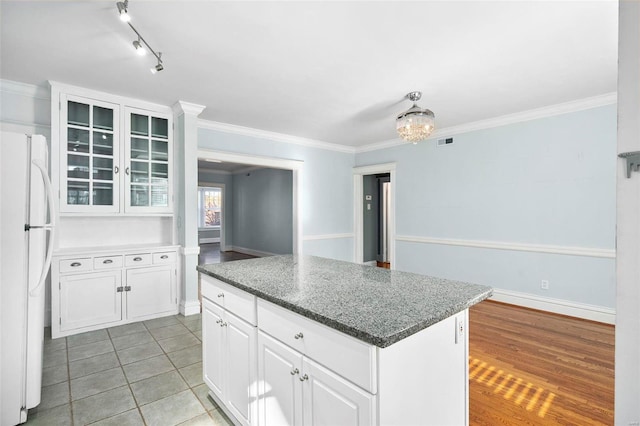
x=89 y=161
x=148 y=169
x=114 y=154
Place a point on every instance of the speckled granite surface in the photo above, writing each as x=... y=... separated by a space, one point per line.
x=375 y=305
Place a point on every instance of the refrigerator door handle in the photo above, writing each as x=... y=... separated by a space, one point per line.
x=51 y=226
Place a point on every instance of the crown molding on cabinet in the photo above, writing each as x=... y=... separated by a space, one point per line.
x=25 y=89
x=182 y=107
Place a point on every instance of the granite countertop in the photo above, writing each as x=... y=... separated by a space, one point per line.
x=378 y=306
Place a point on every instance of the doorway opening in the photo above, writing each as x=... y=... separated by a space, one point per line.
x=374 y=215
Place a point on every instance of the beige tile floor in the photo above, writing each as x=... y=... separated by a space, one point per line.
x=144 y=373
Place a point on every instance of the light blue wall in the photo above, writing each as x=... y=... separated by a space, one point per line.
x=211 y=177
x=263 y=211
x=549 y=181
x=327 y=186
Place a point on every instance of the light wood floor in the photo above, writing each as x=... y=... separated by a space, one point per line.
x=528 y=367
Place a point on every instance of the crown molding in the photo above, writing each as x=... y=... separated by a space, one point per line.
x=279 y=137
x=26 y=89
x=182 y=107
x=533 y=114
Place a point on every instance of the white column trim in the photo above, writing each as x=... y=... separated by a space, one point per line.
x=190 y=251
x=499 y=245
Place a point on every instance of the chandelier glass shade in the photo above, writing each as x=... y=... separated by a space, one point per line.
x=415 y=124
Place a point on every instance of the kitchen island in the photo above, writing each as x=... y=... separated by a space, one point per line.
x=309 y=340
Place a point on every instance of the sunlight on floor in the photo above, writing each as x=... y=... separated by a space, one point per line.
x=511 y=387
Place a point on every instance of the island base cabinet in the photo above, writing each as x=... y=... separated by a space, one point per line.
x=279 y=386
x=294 y=390
x=229 y=361
x=88 y=300
x=329 y=400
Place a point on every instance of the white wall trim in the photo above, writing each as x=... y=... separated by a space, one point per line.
x=533 y=114
x=25 y=89
x=190 y=251
x=251 y=252
x=191 y=307
x=279 y=137
x=558 y=306
x=327 y=236
x=209 y=240
x=497 y=245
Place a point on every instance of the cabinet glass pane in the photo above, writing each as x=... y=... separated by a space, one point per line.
x=139 y=172
x=139 y=125
x=77 y=140
x=102 y=118
x=160 y=128
x=139 y=149
x=103 y=168
x=159 y=150
x=139 y=195
x=159 y=174
x=78 y=166
x=159 y=196
x=78 y=114
x=77 y=192
x=102 y=143
x=102 y=194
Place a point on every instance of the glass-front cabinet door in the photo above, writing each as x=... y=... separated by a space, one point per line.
x=148 y=169
x=89 y=156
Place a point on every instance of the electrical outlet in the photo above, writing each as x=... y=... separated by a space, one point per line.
x=544 y=284
x=459 y=329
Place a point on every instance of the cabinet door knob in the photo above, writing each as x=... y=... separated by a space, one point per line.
x=116 y=169
x=119 y=289
x=295 y=371
x=164 y=256
x=221 y=295
x=224 y=324
x=219 y=321
x=107 y=261
x=298 y=336
x=127 y=288
x=303 y=378
x=137 y=259
x=126 y=171
x=76 y=264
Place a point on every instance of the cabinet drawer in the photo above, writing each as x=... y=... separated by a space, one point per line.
x=107 y=262
x=167 y=257
x=137 y=259
x=76 y=265
x=346 y=355
x=236 y=301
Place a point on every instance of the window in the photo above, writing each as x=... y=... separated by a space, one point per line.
x=209 y=207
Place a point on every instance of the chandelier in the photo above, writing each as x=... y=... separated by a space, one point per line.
x=415 y=124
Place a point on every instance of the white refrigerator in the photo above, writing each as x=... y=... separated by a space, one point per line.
x=26 y=238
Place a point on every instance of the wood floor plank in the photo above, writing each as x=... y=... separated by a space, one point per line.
x=529 y=367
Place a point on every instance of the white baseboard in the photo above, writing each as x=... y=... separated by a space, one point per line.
x=558 y=306
x=249 y=251
x=370 y=263
x=191 y=307
x=208 y=240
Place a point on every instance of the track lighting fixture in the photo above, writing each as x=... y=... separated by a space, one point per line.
x=139 y=48
x=140 y=43
x=122 y=10
x=159 y=66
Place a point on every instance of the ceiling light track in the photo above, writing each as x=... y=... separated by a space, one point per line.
x=123 y=10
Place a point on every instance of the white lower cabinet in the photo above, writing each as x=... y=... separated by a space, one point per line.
x=100 y=290
x=229 y=361
x=87 y=300
x=294 y=390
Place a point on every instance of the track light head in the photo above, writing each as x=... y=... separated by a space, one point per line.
x=140 y=50
x=159 y=67
x=122 y=10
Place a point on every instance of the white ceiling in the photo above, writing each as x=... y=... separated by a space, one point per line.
x=328 y=71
